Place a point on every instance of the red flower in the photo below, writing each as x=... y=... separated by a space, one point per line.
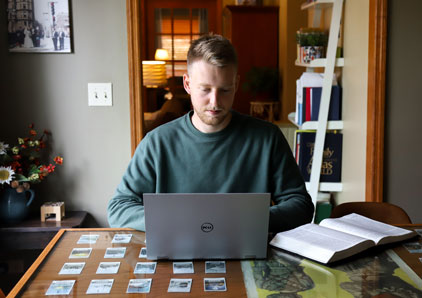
x=58 y=160
x=15 y=165
x=32 y=132
x=31 y=125
x=51 y=168
x=17 y=157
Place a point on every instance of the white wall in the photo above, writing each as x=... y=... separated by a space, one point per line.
x=50 y=90
x=355 y=77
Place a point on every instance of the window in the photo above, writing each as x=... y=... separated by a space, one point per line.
x=175 y=28
x=172 y=25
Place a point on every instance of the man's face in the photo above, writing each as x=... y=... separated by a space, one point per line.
x=212 y=90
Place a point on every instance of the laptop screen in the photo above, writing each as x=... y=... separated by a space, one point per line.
x=207 y=225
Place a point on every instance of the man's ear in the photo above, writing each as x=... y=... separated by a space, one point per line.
x=186 y=82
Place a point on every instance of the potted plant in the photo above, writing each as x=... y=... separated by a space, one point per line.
x=311 y=44
x=21 y=165
x=262 y=83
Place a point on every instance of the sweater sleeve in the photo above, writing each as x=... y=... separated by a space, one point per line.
x=292 y=204
x=126 y=208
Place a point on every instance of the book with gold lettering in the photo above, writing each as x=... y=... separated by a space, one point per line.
x=331 y=162
x=334 y=239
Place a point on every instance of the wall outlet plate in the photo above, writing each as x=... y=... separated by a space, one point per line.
x=100 y=94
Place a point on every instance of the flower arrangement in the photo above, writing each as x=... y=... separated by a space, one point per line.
x=21 y=165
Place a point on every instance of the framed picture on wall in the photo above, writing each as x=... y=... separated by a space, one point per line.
x=39 y=26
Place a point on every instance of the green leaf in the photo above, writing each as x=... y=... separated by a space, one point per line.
x=21 y=178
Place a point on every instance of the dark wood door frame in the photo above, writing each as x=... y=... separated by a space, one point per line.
x=377 y=52
x=136 y=51
x=376 y=88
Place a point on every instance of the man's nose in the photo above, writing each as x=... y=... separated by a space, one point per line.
x=214 y=98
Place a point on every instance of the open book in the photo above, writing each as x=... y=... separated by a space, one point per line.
x=337 y=238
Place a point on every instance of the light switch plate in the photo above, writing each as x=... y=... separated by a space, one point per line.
x=100 y=94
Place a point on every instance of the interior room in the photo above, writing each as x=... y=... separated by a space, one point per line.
x=110 y=39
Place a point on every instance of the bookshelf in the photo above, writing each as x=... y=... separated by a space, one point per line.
x=313 y=125
x=329 y=63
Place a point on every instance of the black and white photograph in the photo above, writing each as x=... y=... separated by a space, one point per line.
x=108 y=268
x=80 y=253
x=145 y=268
x=182 y=267
x=39 y=26
x=121 y=238
x=60 y=287
x=180 y=285
x=88 y=239
x=100 y=286
x=115 y=253
x=215 y=267
x=215 y=284
x=72 y=268
x=143 y=253
x=142 y=285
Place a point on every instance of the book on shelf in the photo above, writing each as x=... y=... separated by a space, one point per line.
x=332 y=155
x=334 y=111
x=307 y=80
x=309 y=109
x=335 y=239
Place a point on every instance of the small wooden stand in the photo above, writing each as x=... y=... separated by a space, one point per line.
x=49 y=208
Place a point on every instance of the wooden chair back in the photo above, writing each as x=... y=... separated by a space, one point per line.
x=384 y=212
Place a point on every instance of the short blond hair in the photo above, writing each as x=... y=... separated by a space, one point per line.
x=214 y=49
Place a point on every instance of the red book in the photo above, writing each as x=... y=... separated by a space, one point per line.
x=308 y=104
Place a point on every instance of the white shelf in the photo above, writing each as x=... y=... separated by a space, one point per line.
x=322 y=62
x=315 y=4
x=327 y=186
x=312 y=125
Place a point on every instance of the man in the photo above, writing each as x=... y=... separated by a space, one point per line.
x=213 y=149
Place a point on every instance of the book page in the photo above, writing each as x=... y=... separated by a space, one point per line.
x=320 y=243
x=364 y=227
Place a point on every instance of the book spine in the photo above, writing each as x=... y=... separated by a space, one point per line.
x=308 y=104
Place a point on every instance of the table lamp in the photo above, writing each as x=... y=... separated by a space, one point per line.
x=154 y=73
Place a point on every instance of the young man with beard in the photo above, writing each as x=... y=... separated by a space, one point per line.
x=213 y=149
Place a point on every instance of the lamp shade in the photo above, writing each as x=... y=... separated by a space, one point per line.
x=161 y=54
x=154 y=73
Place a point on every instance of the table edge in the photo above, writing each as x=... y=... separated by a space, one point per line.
x=24 y=279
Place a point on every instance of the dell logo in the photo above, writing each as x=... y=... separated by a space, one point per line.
x=207 y=227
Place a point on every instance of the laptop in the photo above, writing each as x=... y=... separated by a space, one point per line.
x=206 y=225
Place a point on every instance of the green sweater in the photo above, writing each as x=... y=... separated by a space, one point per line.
x=248 y=156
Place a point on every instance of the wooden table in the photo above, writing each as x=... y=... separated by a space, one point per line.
x=281 y=272
x=21 y=244
x=39 y=277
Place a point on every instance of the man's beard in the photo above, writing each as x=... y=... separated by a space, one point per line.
x=210 y=120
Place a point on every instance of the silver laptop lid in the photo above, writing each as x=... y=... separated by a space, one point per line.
x=206 y=226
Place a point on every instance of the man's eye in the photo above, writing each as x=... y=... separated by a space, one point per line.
x=205 y=89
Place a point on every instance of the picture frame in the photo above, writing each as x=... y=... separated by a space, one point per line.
x=39 y=26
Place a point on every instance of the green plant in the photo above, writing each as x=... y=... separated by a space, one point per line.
x=311 y=37
x=262 y=80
